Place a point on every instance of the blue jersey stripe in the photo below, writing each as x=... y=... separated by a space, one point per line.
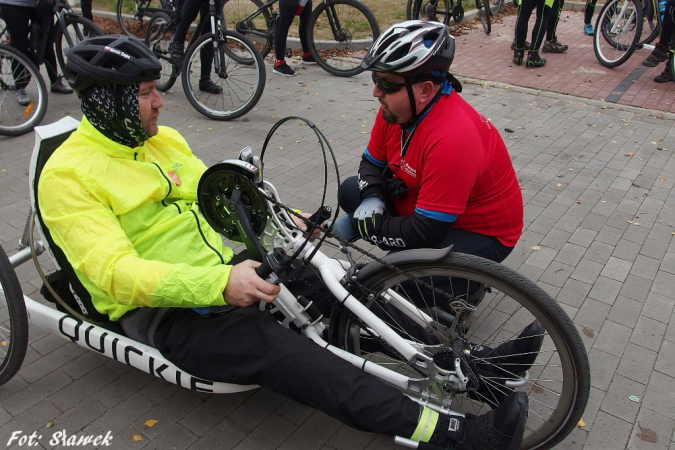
x=374 y=161
x=436 y=215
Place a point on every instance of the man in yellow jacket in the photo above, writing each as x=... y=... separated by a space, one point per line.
x=119 y=198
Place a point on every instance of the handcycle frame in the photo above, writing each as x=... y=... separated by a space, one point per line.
x=429 y=387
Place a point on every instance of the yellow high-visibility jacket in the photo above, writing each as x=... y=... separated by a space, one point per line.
x=127 y=219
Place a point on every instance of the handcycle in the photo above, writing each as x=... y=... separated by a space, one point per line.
x=19 y=72
x=439 y=306
x=339 y=32
x=236 y=65
x=619 y=30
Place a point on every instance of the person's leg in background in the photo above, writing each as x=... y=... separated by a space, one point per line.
x=304 y=22
x=188 y=13
x=525 y=8
x=588 y=15
x=667 y=33
x=538 y=32
x=86 y=9
x=287 y=10
x=57 y=84
x=552 y=45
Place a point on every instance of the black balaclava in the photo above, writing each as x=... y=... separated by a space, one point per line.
x=113 y=110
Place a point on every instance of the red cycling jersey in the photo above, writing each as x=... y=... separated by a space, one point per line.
x=460 y=163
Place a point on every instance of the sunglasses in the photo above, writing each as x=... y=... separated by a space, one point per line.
x=389 y=87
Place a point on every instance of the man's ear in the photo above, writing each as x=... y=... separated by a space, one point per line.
x=427 y=91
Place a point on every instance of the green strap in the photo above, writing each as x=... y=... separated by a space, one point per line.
x=425 y=426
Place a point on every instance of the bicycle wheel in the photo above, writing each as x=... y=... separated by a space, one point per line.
x=495 y=6
x=131 y=15
x=557 y=383
x=78 y=28
x=241 y=84
x=13 y=321
x=437 y=10
x=484 y=14
x=651 y=27
x=18 y=72
x=617 y=31
x=252 y=19
x=339 y=35
x=158 y=38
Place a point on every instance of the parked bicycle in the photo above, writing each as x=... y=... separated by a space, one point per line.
x=236 y=66
x=18 y=72
x=141 y=11
x=619 y=30
x=339 y=32
x=436 y=10
x=441 y=10
x=426 y=347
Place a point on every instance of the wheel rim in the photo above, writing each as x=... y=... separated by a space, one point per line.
x=552 y=387
x=617 y=31
x=16 y=118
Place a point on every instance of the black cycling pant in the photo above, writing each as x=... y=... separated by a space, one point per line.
x=188 y=11
x=590 y=9
x=524 y=12
x=462 y=241
x=19 y=33
x=86 y=9
x=554 y=18
x=668 y=25
x=284 y=21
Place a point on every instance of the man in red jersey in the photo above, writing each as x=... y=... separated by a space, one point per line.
x=436 y=172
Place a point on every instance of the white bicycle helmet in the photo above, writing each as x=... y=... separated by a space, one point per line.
x=412 y=48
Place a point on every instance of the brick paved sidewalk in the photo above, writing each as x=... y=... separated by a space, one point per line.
x=599 y=203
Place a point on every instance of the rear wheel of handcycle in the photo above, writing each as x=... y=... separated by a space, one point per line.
x=16 y=73
x=241 y=84
x=78 y=28
x=617 y=32
x=13 y=321
x=557 y=382
x=158 y=37
x=341 y=51
x=253 y=20
x=437 y=10
x=484 y=14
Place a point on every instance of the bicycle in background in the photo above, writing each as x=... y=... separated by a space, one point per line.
x=142 y=11
x=441 y=10
x=339 y=32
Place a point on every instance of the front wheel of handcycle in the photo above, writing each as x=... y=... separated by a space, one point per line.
x=339 y=34
x=13 y=321
x=78 y=28
x=617 y=32
x=158 y=37
x=484 y=14
x=437 y=10
x=556 y=376
x=20 y=77
x=236 y=69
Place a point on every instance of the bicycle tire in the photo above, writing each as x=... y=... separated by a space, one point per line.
x=78 y=28
x=243 y=86
x=358 y=30
x=158 y=38
x=258 y=28
x=13 y=321
x=134 y=26
x=16 y=119
x=559 y=378
x=426 y=10
x=484 y=15
x=495 y=6
x=616 y=36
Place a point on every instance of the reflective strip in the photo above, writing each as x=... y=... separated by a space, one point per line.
x=425 y=426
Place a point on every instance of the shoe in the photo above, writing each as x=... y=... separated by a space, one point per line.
x=666 y=75
x=283 y=69
x=22 y=98
x=554 y=47
x=657 y=56
x=500 y=429
x=534 y=60
x=59 y=88
x=210 y=87
x=588 y=29
x=518 y=56
x=309 y=59
x=177 y=55
x=513 y=45
x=511 y=358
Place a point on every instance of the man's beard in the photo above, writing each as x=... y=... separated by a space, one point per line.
x=387 y=115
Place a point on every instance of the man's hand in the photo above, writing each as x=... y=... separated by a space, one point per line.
x=303 y=227
x=368 y=217
x=245 y=287
x=342 y=228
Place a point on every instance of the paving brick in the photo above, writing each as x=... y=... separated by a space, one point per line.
x=658 y=307
x=88 y=385
x=587 y=271
x=574 y=293
x=35 y=393
x=605 y=290
x=648 y=333
x=617 y=401
x=664 y=283
x=651 y=431
x=613 y=338
x=204 y=417
x=270 y=433
x=609 y=432
x=256 y=409
x=316 y=431
x=660 y=397
x=645 y=266
x=167 y=413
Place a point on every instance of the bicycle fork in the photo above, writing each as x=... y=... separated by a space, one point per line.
x=218 y=53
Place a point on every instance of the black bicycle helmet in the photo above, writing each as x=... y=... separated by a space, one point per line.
x=111 y=59
x=411 y=49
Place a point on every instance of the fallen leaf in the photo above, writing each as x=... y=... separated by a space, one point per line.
x=5 y=343
x=581 y=422
x=150 y=423
x=281 y=148
x=138 y=437
x=49 y=424
x=559 y=185
x=536 y=248
x=647 y=435
x=630 y=154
